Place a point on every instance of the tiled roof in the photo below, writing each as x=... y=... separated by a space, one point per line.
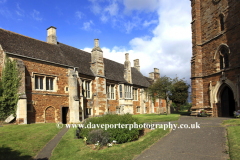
x=66 y=55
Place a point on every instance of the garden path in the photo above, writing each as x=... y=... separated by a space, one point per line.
x=46 y=152
x=208 y=142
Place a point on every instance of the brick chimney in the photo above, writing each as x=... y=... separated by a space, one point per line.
x=127 y=69
x=51 y=35
x=97 y=64
x=136 y=64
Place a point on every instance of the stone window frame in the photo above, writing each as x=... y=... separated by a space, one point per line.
x=135 y=95
x=128 y=91
x=138 y=109
x=110 y=91
x=83 y=88
x=145 y=110
x=218 y=54
x=121 y=95
x=45 y=76
x=66 y=89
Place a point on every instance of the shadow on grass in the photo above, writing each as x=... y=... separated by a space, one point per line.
x=7 y=153
x=182 y=113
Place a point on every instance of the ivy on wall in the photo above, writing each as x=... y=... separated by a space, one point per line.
x=9 y=85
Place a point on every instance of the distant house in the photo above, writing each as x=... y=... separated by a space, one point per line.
x=64 y=84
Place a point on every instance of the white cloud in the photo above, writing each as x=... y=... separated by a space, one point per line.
x=168 y=47
x=112 y=9
x=87 y=25
x=35 y=15
x=78 y=14
x=95 y=8
x=19 y=11
x=148 y=23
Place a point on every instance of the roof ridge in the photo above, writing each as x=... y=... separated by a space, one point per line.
x=24 y=36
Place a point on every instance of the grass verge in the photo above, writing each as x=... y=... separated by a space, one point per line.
x=23 y=142
x=74 y=149
x=233 y=131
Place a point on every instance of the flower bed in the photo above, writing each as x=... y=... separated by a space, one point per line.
x=101 y=137
x=236 y=114
x=203 y=113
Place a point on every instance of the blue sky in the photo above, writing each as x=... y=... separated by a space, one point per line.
x=157 y=32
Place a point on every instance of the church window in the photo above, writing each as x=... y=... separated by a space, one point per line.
x=224 y=62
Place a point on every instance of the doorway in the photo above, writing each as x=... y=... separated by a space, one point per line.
x=227 y=102
x=64 y=115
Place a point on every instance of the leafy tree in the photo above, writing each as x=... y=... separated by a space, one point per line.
x=179 y=92
x=161 y=89
x=10 y=83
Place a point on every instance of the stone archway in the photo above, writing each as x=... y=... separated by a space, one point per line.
x=227 y=102
x=50 y=115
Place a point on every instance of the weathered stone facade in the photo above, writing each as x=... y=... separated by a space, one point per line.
x=64 y=84
x=215 y=65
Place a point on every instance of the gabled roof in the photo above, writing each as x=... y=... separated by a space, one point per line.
x=66 y=55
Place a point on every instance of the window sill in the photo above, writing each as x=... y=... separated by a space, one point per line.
x=40 y=90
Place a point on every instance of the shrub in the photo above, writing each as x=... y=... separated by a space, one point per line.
x=98 y=136
x=119 y=134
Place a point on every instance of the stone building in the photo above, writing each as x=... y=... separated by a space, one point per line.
x=64 y=84
x=215 y=66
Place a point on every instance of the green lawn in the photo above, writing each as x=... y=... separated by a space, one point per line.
x=146 y=118
x=233 y=129
x=23 y=142
x=75 y=149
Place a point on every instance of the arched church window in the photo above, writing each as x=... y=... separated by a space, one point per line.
x=224 y=62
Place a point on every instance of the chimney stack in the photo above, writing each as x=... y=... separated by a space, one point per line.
x=96 y=42
x=97 y=65
x=51 y=35
x=154 y=75
x=127 y=69
x=136 y=64
x=151 y=75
